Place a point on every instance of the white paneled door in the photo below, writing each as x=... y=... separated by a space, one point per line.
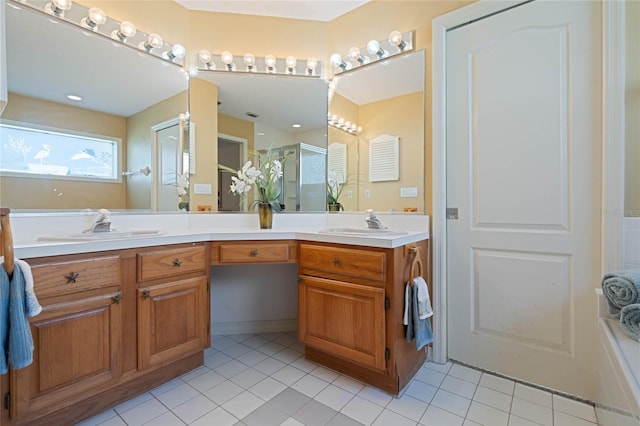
x=523 y=170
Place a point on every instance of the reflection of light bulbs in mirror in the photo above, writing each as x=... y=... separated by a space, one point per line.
x=336 y=61
x=126 y=30
x=57 y=7
x=177 y=52
x=291 y=62
x=153 y=41
x=270 y=63
x=374 y=48
x=250 y=62
x=96 y=17
x=207 y=59
x=312 y=64
x=227 y=58
x=395 y=38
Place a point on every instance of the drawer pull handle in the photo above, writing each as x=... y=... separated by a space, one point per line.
x=336 y=261
x=116 y=299
x=177 y=263
x=72 y=277
x=254 y=253
x=145 y=294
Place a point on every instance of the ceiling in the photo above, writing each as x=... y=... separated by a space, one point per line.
x=314 y=10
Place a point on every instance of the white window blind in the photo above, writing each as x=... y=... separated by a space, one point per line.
x=337 y=161
x=384 y=158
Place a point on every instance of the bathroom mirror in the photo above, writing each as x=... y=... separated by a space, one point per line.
x=256 y=112
x=129 y=97
x=385 y=98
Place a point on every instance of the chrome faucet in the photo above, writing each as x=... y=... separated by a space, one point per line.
x=372 y=221
x=103 y=224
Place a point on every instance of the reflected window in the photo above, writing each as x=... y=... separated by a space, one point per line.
x=31 y=151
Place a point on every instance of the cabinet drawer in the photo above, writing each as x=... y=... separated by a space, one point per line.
x=253 y=252
x=54 y=279
x=168 y=262
x=332 y=262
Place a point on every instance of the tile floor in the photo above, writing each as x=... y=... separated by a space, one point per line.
x=264 y=380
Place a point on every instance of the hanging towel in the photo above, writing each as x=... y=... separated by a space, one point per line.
x=16 y=333
x=418 y=329
x=407 y=304
x=621 y=288
x=32 y=305
x=630 y=321
x=424 y=302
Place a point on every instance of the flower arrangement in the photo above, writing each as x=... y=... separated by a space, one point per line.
x=334 y=191
x=182 y=187
x=265 y=176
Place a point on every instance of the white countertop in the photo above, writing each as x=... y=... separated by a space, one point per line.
x=175 y=229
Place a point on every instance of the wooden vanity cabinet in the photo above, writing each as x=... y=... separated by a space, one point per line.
x=114 y=324
x=351 y=304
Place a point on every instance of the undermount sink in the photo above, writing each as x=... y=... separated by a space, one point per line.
x=96 y=236
x=362 y=231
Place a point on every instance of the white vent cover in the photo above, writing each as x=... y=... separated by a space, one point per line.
x=384 y=158
x=337 y=161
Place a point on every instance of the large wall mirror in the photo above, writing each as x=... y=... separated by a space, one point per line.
x=257 y=112
x=383 y=167
x=121 y=147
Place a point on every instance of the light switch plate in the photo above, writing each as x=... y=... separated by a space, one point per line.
x=202 y=188
x=410 y=192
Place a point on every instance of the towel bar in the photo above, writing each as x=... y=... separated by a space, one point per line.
x=415 y=262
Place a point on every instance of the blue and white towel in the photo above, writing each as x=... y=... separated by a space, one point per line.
x=630 y=320
x=15 y=332
x=621 y=288
x=32 y=305
x=416 y=318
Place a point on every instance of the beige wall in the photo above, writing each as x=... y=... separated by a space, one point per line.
x=396 y=117
x=50 y=194
x=632 y=111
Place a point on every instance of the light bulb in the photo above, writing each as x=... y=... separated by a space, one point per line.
x=354 y=53
x=291 y=62
x=336 y=60
x=153 y=41
x=373 y=47
x=312 y=64
x=177 y=52
x=250 y=62
x=57 y=7
x=207 y=59
x=270 y=63
x=126 y=30
x=395 y=38
x=96 y=17
x=227 y=59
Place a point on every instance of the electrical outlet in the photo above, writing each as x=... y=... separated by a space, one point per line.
x=367 y=193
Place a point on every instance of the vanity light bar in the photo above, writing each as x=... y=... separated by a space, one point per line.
x=269 y=64
x=396 y=44
x=342 y=124
x=96 y=20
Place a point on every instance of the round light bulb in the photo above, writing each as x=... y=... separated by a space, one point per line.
x=62 y=4
x=291 y=61
x=334 y=118
x=336 y=60
x=58 y=7
x=312 y=63
x=359 y=129
x=341 y=121
x=205 y=56
x=373 y=47
x=249 y=59
x=155 y=40
x=354 y=53
x=226 y=57
x=270 y=61
x=395 y=38
x=127 y=29
x=97 y=15
x=178 y=51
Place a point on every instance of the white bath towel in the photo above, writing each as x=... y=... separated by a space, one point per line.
x=424 y=301
x=407 y=304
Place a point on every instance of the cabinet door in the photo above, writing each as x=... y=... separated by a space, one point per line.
x=172 y=321
x=77 y=353
x=343 y=319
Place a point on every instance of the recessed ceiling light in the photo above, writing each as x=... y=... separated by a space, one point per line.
x=74 y=97
x=297 y=126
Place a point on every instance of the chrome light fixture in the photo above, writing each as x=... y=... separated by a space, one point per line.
x=58 y=7
x=342 y=124
x=270 y=63
x=291 y=63
x=312 y=64
x=95 y=18
x=207 y=59
x=397 y=43
x=177 y=52
x=125 y=31
x=250 y=62
x=227 y=59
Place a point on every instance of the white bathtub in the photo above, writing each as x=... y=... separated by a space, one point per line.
x=617 y=372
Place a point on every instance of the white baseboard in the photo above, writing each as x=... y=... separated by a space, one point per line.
x=244 y=327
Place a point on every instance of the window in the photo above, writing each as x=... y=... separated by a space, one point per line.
x=38 y=151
